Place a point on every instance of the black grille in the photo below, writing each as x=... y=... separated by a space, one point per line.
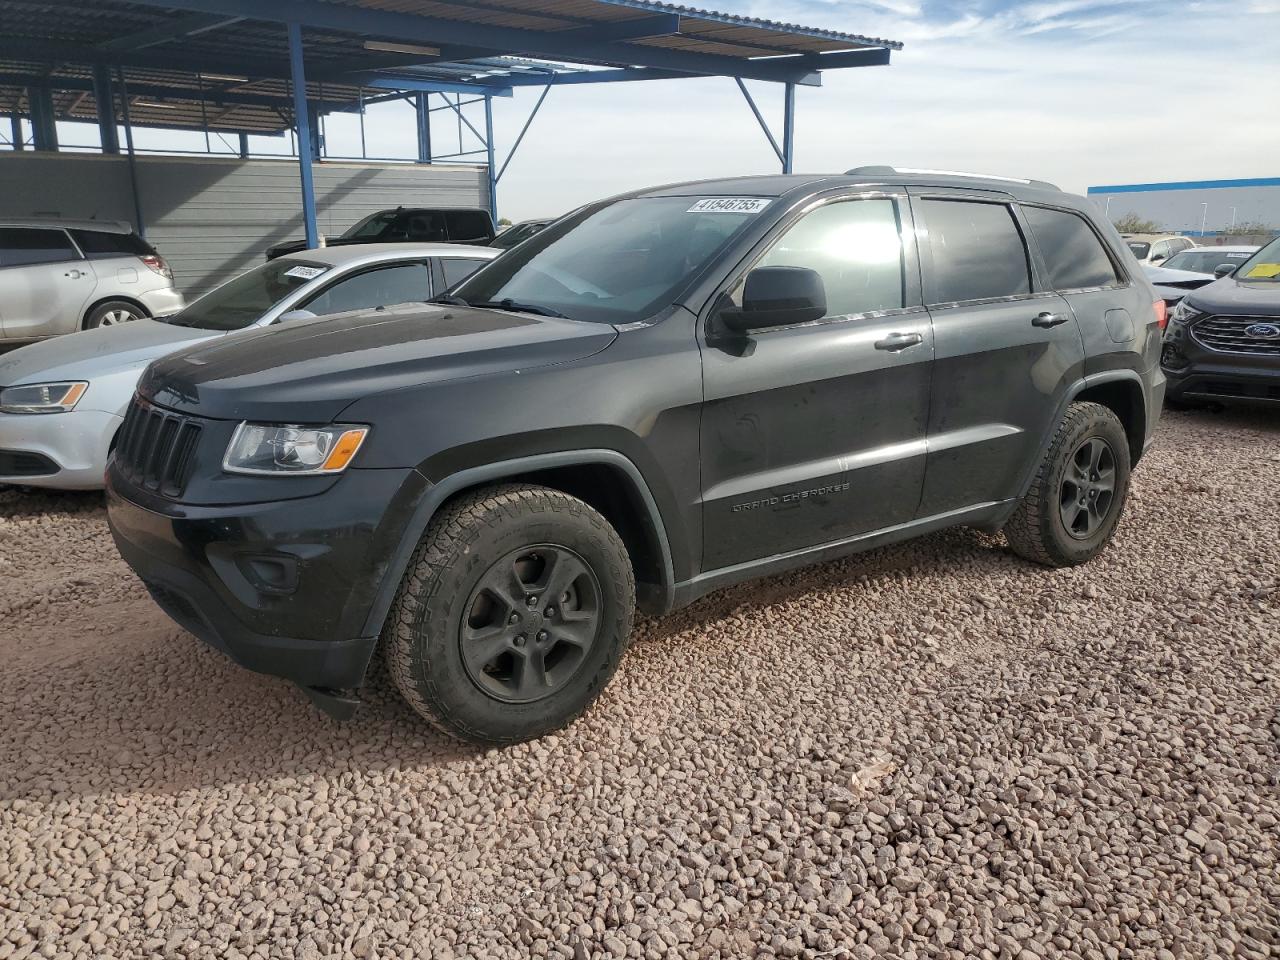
x=20 y=463
x=1227 y=335
x=155 y=448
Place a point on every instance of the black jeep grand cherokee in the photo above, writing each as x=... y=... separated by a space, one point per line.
x=659 y=395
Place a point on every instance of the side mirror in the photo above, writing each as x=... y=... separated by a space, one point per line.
x=777 y=297
x=1224 y=270
x=292 y=315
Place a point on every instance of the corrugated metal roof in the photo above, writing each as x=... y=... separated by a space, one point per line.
x=53 y=43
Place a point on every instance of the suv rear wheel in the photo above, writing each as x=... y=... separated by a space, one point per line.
x=112 y=312
x=1078 y=494
x=513 y=615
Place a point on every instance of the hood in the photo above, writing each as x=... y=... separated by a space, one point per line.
x=309 y=371
x=1248 y=298
x=1179 y=278
x=81 y=356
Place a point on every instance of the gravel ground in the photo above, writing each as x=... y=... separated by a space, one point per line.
x=931 y=750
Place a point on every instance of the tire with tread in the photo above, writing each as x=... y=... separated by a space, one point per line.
x=468 y=535
x=93 y=319
x=1036 y=531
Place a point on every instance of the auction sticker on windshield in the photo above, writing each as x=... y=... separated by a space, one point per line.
x=305 y=273
x=1263 y=271
x=730 y=205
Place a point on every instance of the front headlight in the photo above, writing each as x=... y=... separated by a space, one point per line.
x=42 y=397
x=280 y=449
x=1185 y=312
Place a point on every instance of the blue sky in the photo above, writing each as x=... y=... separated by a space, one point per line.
x=1074 y=92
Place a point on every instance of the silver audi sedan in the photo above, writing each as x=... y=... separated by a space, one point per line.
x=62 y=400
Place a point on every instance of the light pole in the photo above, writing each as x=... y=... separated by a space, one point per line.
x=1107 y=213
x=1233 y=218
x=1204 y=215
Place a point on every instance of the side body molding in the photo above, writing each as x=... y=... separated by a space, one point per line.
x=660 y=601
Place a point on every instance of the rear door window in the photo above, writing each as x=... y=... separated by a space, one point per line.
x=457 y=269
x=468 y=226
x=404 y=283
x=28 y=246
x=1071 y=250
x=977 y=250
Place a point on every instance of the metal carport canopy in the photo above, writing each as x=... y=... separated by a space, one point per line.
x=188 y=47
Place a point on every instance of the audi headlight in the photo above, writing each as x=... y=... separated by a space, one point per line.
x=1185 y=312
x=42 y=397
x=279 y=449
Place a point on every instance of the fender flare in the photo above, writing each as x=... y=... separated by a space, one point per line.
x=1068 y=397
x=438 y=493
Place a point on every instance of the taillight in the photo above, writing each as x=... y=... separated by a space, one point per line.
x=158 y=265
x=1162 y=313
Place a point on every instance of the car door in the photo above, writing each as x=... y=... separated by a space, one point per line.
x=45 y=284
x=1003 y=348
x=1077 y=264
x=815 y=433
x=378 y=286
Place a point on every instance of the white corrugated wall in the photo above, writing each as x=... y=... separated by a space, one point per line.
x=211 y=217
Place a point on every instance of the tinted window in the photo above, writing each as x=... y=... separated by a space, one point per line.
x=1205 y=260
x=855 y=246
x=1071 y=250
x=1161 y=249
x=407 y=283
x=20 y=246
x=467 y=226
x=241 y=301
x=615 y=263
x=99 y=244
x=457 y=269
x=977 y=250
x=1140 y=249
x=372 y=225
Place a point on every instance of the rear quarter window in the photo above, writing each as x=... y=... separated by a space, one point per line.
x=977 y=251
x=469 y=226
x=1071 y=250
x=100 y=244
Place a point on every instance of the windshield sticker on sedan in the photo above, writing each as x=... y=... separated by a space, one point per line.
x=1264 y=271
x=305 y=273
x=730 y=205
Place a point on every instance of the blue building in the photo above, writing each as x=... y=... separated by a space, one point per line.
x=1195 y=207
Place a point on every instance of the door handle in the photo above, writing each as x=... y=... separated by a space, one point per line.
x=73 y=274
x=899 y=341
x=1047 y=319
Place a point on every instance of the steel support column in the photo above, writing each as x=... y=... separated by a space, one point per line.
x=244 y=146
x=44 y=127
x=422 y=107
x=133 y=160
x=493 y=172
x=788 y=127
x=15 y=126
x=104 y=96
x=302 y=128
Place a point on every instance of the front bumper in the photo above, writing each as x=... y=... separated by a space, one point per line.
x=64 y=451
x=1195 y=372
x=163 y=301
x=285 y=587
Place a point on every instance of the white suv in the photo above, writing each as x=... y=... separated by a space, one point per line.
x=59 y=276
x=1155 y=248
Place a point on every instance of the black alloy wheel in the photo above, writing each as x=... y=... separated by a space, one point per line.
x=530 y=623
x=1088 y=488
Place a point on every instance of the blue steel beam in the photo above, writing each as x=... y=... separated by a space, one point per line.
x=138 y=222
x=555 y=44
x=423 y=113
x=105 y=99
x=788 y=128
x=303 y=131
x=523 y=130
x=760 y=119
x=488 y=145
x=44 y=127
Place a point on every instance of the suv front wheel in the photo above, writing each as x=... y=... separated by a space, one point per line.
x=513 y=614
x=1077 y=494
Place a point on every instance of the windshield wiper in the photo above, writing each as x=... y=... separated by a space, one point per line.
x=511 y=306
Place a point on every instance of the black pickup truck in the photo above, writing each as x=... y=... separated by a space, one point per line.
x=658 y=395
x=407 y=224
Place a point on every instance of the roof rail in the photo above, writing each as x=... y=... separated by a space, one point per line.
x=879 y=170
